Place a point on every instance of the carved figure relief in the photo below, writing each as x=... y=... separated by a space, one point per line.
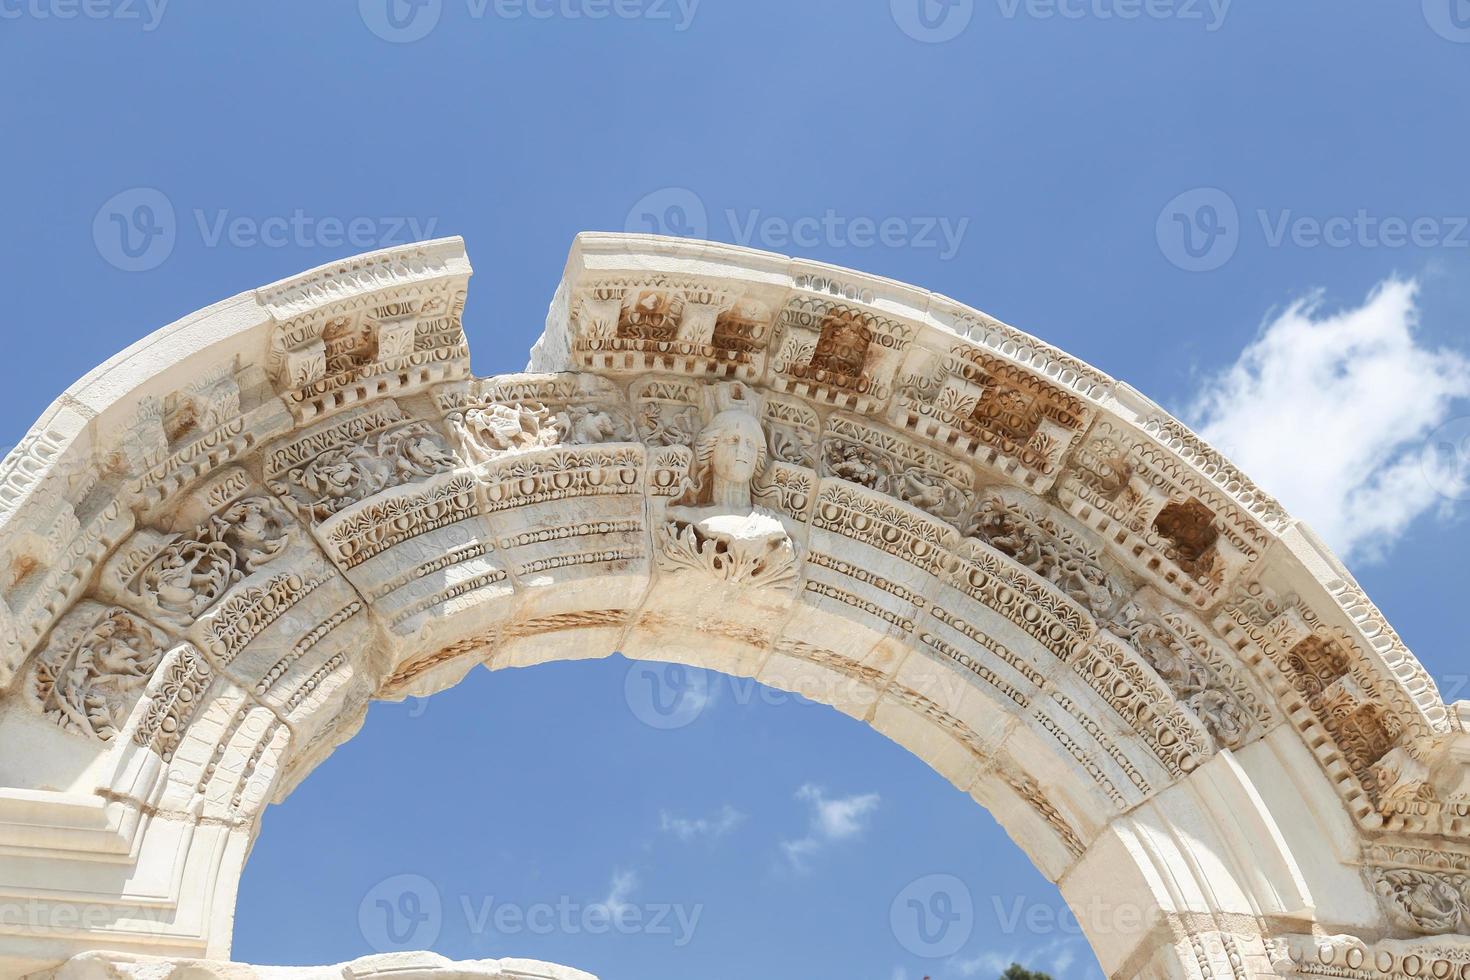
x=486 y=433
x=192 y=572
x=351 y=473
x=95 y=669
x=890 y=464
x=715 y=526
x=584 y=426
x=1425 y=901
x=1225 y=718
x=1047 y=549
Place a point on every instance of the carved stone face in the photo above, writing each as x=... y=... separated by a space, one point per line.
x=738 y=442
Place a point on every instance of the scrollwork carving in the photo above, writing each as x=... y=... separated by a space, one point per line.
x=95 y=670
x=1047 y=549
x=486 y=433
x=738 y=551
x=1425 y=901
x=192 y=572
x=349 y=474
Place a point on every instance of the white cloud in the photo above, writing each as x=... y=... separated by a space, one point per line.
x=832 y=820
x=1329 y=411
x=619 y=891
x=687 y=829
x=1063 y=959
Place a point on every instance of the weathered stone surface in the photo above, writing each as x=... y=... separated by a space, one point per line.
x=230 y=538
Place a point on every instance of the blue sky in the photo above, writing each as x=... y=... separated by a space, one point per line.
x=1261 y=201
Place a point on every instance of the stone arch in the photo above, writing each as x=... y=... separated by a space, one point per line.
x=226 y=541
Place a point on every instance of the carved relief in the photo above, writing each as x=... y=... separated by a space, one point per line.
x=715 y=526
x=1056 y=622
x=192 y=571
x=95 y=668
x=1425 y=901
x=996 y=405
x=651 y=322
x=1174 y=738
x=875 y=432
x=1169 y=521
x=668 y=413
x=892 y=465
x=345 y=462
x=1198 y=674
x=485 y=433
x=1368 y=734
x=823 y=344
x=492 y=417
x=403 y=335
x=1348 y=956
x=175 y=693
x=792 y=431
x=875 y=520
x=733 y=553
x=1024 y=530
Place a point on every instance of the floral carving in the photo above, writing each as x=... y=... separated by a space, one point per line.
x=189 y=576
x=1425 y=901
x=583 y=426
x=490 y=432
x=346 y=475
x=255 y=529
x=89 y=682
x=193 y=571
x=1047 y=550
x=726 y=551
x=1193 y=684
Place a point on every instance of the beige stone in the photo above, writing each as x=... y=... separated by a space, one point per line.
x=227 y=540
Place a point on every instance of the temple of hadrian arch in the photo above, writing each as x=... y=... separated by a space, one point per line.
x=222 y=544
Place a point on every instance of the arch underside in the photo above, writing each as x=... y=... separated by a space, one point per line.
x=226 y=541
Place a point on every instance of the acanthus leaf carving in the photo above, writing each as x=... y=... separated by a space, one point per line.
x=95 y=669
x=1429 y=902
x=192 y=571
x=351 y=472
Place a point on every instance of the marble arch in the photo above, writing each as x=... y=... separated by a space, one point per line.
x=224 y=542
